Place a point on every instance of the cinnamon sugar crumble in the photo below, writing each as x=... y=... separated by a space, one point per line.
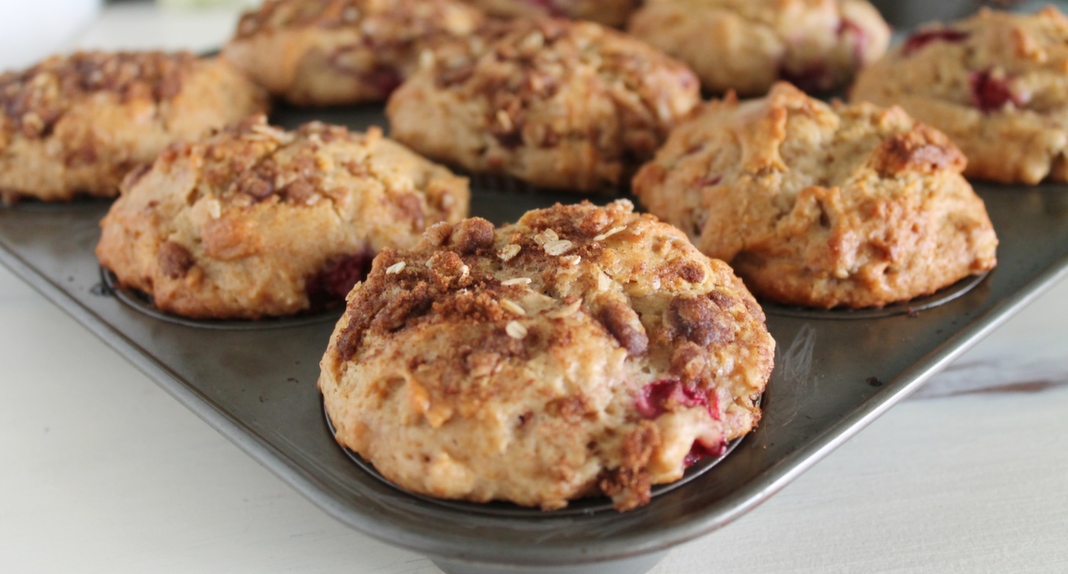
x=36 y=98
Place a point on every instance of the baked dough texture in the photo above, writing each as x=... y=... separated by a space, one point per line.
x=76 y=124
x=818 y=205
x=328 y=52
x=995 y=83
x=748 y=45
x=555 y=103
x=254 y=221
x=607 y=12
x=580 y=351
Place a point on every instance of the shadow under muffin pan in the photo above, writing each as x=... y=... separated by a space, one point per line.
x=258 y=386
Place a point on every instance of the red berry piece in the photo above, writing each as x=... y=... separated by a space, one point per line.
x=710 y=180
x=814 y=79
x=385 y=79
x=860 y=38
x=658 y=398
x=990 y=94
x=921 y=39
x=550 y=7
x=700 y=450
x=694 y=149
x=337 y=278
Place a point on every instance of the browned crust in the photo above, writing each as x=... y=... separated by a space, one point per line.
x=748 y=45
x=559 y=104
x=995 y=83
x=544 y=335
x=254 y=221
x=78 y=123
x=329 y=52
x=822 y=206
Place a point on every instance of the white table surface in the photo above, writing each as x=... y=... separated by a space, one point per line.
x=101 y=471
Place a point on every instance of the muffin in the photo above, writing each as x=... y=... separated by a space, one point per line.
x=821 y=205
x=254 y=221
x=77 y=124
x=995 y=83
x=581 y=351
x=554 y=103
x=748 y=45
x=327 y=52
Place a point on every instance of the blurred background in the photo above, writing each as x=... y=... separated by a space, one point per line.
x=31 y=30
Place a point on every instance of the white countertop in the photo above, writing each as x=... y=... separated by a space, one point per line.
x=101 y=471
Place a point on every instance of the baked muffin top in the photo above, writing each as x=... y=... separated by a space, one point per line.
x=77 y=124
x=994 y=82
x=821 y=205
x=554 y=102
x=254 y=221
x=582 y=350
x=330 y=52
x=33 y=100
x=748 y=45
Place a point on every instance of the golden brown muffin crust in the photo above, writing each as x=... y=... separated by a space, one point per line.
x=328 y=52
x=556 y=103
x=748 y=45
x=995 y=83
x=35 y=99
x=255 y=221
x=821 y=205
x=76 y=124
x=581 y=350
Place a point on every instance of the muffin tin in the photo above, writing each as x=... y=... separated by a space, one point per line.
x=255 y=382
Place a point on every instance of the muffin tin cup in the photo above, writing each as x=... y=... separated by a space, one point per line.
x=142 y=302
x=584 y=506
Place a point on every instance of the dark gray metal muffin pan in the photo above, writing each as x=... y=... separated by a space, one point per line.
x=835 y=372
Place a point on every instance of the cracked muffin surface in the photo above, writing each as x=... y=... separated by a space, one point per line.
x=77 y=124
x=555 y=103
x=254 y=221
x=329 y=52
x=581 y=351
x=821 y=205
x=748 y=45
x=995 y=83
